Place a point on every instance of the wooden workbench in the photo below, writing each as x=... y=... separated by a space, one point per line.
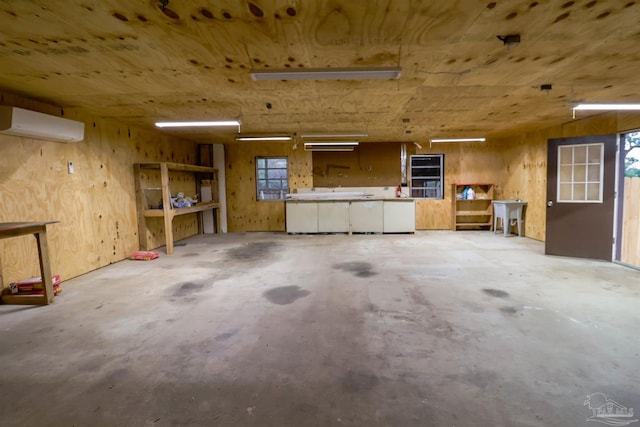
x=39 y=230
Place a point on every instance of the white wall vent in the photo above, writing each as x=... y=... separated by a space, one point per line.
x=20 y=122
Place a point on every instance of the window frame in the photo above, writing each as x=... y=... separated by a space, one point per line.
x=414 y=190
x=280 y=192
x=587 y=163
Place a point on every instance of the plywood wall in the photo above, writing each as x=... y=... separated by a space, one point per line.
x=516 y=164
x=464 y=163
x=244 y=212
x=369 y=165
x=631 y=222
x=525 y=159
x=95 y=205
x=525 y=177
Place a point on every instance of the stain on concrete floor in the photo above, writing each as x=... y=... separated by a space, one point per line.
x=509 y=310
x=285 y=294
x=359 y=269
x=252 y=251
x=187 y=288
x=225 y=335
x=496 y=293
x=359 y=381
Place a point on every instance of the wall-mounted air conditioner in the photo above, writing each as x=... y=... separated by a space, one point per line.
x=31 y=124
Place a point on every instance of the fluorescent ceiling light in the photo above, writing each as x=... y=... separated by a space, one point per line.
x=328 y=148
x=197 y=124
x=334 y=135
x=458 y=140
x=264 y=138
x=352 y=73
x=607 y=107
x=330 y=143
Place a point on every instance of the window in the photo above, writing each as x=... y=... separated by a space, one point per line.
x=427 y=176
x=271 y=178
x=580 y=171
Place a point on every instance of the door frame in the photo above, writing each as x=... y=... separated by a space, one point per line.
x=606 y=251
x=619 y=205
x=619 y=199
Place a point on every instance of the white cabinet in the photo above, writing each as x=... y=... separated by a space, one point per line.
x=333 y=217
x=399 y=216
x=351 y=216
x=302 y=217
x=367 y=216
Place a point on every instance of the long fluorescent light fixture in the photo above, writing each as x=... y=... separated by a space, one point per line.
x=331 y=143
x=264 y=138
x=607 y=107
x=334 y=135
x=198 y=124
x=351 y=73
x=328 y=148
x=458 y=140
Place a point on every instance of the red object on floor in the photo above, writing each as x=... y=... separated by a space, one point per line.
x=34 y=286
x=144 y=255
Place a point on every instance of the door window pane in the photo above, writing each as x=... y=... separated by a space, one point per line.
x=566 y=173
x=565 y=191
x=578 y=191
x=594 y=153
x=594 y=173
x=566 y=155
x=593 y=192
x=580 y=171
x=579 y=155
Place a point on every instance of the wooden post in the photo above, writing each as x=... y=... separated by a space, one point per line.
x=142 y=205
x=45 y=266
x=167 y=207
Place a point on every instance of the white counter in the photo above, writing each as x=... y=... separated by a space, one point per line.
x=351 y=215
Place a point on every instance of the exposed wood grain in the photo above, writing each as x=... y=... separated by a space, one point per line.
x=96 y=205
x=369 y=165
x=244 y=213
x=139 y=63
x=631 y=222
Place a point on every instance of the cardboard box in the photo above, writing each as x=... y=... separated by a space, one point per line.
x=34 y=286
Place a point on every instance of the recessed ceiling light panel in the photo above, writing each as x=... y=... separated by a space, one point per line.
x=334 y=135
x=352 y=73
x=607 y=107
x=458 y=140
x=250 y=138
x=218 y=123
x=331 y=143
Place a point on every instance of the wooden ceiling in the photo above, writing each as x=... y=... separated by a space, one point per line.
x=139 y=62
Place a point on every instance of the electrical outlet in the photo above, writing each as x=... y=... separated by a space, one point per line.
x=70 y=166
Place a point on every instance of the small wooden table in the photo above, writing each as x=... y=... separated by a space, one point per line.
x=39 y=230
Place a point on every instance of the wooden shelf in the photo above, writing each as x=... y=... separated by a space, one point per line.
x=178 y=167
x=486 y=212
x=477 y=212
x=200 y=207
x=168 y=212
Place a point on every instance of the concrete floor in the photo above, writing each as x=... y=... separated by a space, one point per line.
x=266 y=329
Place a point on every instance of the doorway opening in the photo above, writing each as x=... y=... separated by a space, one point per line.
x=628 y=217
